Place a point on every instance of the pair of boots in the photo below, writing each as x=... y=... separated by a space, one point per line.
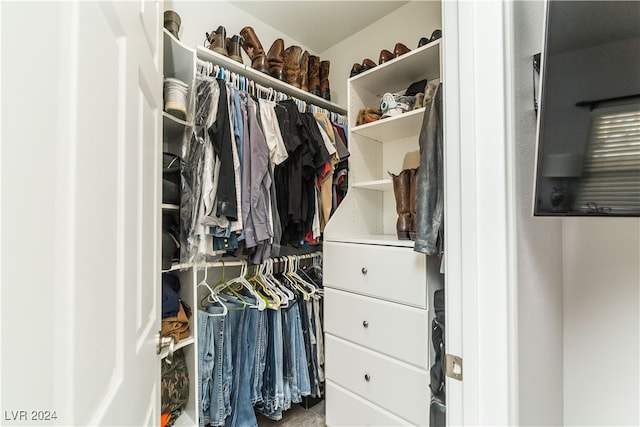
x=290 y=65
x=218 y=42
x=404 y=189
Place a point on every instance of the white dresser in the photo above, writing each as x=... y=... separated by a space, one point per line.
x=377 y=288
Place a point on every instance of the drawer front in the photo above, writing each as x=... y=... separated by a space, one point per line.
x=391 y=273
x=346 y=409
x=393 y=385
x=393 y=329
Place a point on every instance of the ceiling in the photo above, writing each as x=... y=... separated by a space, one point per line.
x=319 y=25
x=581 y=24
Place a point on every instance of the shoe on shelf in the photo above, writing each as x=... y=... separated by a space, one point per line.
x=367 y=64
x=385 y=56
x=355 y=70
x=400 y=50
x=253 y=48
x=292 y=56
x=172 y=22
x=435 y=35
x=233 y=48
x=275 y=59
x=217 y=40
x=314 y=75
x=423 y=41
x=325 y=90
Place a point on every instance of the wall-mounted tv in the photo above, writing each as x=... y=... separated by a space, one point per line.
x=588 y=152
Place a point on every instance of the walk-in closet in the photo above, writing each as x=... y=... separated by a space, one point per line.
x=300 y=213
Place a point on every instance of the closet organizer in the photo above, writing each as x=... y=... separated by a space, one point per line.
x=255 y=336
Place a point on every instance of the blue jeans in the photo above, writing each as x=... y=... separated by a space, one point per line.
x=273 y=386
x=244 y=328
x=296 y=373
x=214 y=351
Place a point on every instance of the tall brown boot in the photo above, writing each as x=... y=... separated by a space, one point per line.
x=292 y=56
x=252 y=46
x=304 y=71
x=217 y=40
x=275 y=58
x=412 y=203
x=314 y=75
x=401 y=190
x=325 y=91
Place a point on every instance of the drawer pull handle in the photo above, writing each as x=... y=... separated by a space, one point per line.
x=365 y=324
x=367 y=378
x=364 y=270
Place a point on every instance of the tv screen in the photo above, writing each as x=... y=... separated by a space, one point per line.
x=588 y=152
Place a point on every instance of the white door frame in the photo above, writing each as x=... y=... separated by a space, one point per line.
x=480 y=253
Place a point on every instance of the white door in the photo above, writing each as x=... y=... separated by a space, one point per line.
x=80 y=174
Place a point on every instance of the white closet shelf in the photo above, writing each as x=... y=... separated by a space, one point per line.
x=373 y=239
x=392 y=128
x=266 y=80
x=396 y=75
x=178 y=58
x=184 y=420
x=379 y=185
x=173 y=129
x=168 y=207
x=180 y=344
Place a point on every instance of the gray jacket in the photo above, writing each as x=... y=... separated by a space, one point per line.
x=430 y=181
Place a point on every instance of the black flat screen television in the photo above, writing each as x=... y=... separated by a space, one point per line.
x=588 y=145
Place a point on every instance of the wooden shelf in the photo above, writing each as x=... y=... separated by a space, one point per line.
x=392 y=128
x=396 y=75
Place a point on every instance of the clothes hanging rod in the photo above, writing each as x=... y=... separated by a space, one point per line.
x=215 y=58
x=238 y=262
x=594 y=103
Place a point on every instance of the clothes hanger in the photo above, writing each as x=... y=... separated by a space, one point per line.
x=296 y=267
x=212 y=297
x=284 y=299
x=290 y=296
x=274 y=303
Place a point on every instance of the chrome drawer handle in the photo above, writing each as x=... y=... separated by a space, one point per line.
x=364 y=270
x=367 y=378
x=365 y=324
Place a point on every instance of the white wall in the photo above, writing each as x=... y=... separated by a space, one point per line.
x=602 y=321
x=539 y=247
x=406 y=25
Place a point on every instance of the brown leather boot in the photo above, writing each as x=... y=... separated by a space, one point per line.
x=401 y=191
x=275 y=58
x=304 y=71
x=412 y=203
x=400 y=49
x=252 y=46
x=314 y=75
x=172 y=22
x=217 y=40
x=292 y=56
x=325 y=90
x=233 y=48
x=385 y=56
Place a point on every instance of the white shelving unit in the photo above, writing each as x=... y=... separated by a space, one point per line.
x=375 y=284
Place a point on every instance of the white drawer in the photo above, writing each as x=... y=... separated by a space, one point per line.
x=392 y=273
x=395 y=386
x=344 y=408
x=394 y=329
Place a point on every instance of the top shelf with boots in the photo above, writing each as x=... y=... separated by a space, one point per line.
x=397 y=74
x=266 y=80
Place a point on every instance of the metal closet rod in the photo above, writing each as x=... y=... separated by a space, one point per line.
x=238 y=263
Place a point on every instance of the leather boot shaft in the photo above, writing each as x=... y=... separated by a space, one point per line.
x=252 y=46
x=314 y=75
x=275 y=58
x=412 y=203
x=218 y=41
x=304 y=71
x=233 y=48
x=325 y=90
x=292 y=56
x=172 y=22
x=401 y=191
